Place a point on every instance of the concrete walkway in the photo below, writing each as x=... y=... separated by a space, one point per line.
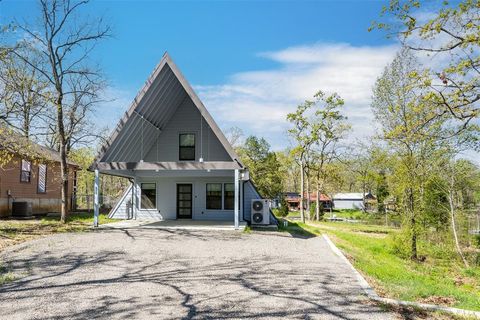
x=187 y=224
x=143 y=273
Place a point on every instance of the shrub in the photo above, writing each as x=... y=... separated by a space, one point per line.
x=282 y=211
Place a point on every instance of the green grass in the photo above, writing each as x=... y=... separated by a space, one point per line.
x=16 y=231
x=5 y=275
x=374 y=253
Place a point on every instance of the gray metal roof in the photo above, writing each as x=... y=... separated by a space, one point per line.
x=152 y=108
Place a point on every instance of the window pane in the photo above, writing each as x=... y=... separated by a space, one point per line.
x=148 y=196
x=187 y=140
x=229 y=197
x=187 y=153
x=214 y=196
x=25 y=165
x=42 y=178
x=187 y=146
x=25 y=171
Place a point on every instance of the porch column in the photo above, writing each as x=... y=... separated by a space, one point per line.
x=237 y=199
x=135 y=197
x=96 y=203
x=241 y=197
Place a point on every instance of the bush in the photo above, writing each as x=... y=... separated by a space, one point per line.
x=313 y=211
x=477 y=240
x=282 y=211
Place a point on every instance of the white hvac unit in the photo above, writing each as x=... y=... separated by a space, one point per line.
x=260 y=212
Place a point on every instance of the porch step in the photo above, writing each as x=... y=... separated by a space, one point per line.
x=270 y=227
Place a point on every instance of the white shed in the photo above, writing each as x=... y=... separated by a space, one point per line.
x=348 y=201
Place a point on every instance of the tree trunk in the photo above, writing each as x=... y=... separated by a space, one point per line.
x=302 y=178
x=454 y=227
x=413 y=222
x=308 y=194
x=317 y=209
x=63 y=159
x=363 y=200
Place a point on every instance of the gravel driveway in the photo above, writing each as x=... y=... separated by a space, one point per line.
x=180 y=274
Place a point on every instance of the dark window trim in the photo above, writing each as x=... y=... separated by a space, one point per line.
x=178 y=184
x=183 y=147
x=224 y=195
x=221 y=196
x=22 y=171
x=156 y=206
x=38 y=179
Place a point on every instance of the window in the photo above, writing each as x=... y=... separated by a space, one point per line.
x=42 y=178
x=187 y=147
x=148 y=196
x=214 y=196
x=25 y=171
x=228 y=196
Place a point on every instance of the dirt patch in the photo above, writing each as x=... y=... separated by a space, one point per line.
x=372 y=234
x=13 y=232
x=439 y=300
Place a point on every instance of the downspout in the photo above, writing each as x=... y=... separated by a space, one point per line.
x=132 y=181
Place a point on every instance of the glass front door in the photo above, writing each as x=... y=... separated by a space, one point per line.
x=184 y=201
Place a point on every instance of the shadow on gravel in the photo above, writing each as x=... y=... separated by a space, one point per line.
x=180 y=288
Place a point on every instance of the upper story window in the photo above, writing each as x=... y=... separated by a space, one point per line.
x=187 y=147
x=25 y=171
x=42 y=178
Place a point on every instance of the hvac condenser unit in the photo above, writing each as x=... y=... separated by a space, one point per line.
x=260 y=212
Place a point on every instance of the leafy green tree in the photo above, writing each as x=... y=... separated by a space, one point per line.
x=318 y=125
x=451 y=34
x=262 y=165
x=382 y=191
x=329 y=126
x=404 y=126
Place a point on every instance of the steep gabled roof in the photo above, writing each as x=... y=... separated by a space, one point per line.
x=167 y=87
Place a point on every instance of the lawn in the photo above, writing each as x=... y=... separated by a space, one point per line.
x=16 y=231
x=372 y=251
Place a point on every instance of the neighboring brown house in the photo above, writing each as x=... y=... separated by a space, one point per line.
x=31 y=173
x=293 y=200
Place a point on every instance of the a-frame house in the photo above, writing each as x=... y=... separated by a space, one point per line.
x=179 y=161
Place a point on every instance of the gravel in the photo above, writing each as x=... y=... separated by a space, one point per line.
x=180 y=274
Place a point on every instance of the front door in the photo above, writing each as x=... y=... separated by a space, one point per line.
x=184 y=201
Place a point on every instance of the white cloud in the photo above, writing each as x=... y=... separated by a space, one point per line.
x=258 y=101
x=116 y=102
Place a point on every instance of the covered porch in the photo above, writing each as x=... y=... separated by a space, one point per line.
x=175 y=197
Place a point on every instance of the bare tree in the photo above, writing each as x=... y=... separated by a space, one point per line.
x=79 y=130
x=23 y=96
x=65 y=39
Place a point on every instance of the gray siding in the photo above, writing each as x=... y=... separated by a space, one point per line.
x=166 y=188
x=187 y=119
x=250 y=193
x=120 y=211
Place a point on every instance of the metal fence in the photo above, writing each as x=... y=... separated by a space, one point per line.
x=84 y=202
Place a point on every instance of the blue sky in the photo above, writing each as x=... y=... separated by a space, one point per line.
x=248 y=60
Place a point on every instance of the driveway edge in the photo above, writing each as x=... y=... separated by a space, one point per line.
x=370 y=292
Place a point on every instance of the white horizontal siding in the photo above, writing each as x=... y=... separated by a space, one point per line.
x=120 y=211
x=166 y=188
x=347 y=204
